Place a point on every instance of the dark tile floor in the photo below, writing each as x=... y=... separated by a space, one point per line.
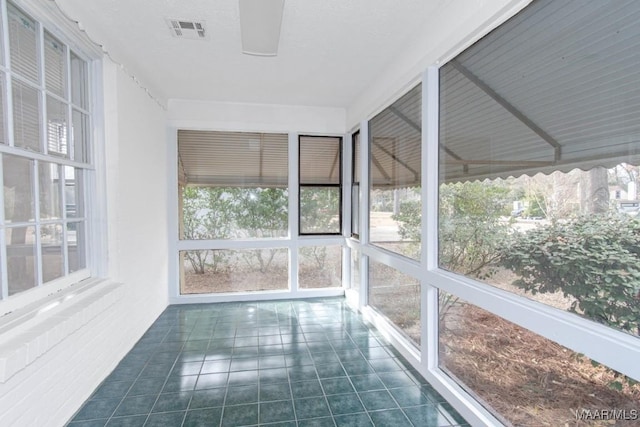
x=284 y=363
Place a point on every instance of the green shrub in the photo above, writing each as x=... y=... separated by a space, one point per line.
x=594 y=259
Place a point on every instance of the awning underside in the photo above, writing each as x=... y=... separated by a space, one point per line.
x=555 y=88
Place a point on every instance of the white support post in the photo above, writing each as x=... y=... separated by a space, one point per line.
x=347 y=148
x=429 y=261
x=173 y=216
x=364 y=211
x=294 y=214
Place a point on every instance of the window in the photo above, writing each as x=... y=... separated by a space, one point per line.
x=356 y=178
x=320 y=185
x=45 y=157
x=538 y=135
x=523 y=377
x=550 y=155
x=320 y=267
x=232 y=186
x=244 y=270
x=397 y=297
x=395 y=170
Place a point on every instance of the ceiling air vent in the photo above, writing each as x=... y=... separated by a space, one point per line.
x=192 y=30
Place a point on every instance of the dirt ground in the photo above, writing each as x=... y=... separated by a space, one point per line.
x=528 y=379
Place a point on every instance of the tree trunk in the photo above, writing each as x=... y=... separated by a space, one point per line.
x=596 y=192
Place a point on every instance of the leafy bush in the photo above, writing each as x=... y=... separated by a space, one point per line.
x=205 y=216
x=472 y=228
x=594 y=259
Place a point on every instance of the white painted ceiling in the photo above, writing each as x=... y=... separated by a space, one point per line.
x=330 y=50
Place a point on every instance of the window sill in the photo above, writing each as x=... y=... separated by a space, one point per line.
x=29 y=332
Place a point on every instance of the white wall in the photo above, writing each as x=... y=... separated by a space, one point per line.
x=50 y=390
x=224 y=116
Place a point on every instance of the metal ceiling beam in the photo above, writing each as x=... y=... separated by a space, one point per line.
x=417 y=127
x=510 y=108
x=395 y=158
x=377 y=164
x=405 y=119
x=335 y=162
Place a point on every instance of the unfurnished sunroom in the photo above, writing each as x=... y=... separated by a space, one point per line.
x=427 y=216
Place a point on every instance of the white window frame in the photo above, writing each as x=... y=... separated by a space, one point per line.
x=48 y=17
x=615 y=349
x=293 y=242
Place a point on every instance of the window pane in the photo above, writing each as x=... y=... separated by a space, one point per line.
x=234 y=213
x=355 y=186
x=57 y=142
x=320 y=267
x=320 y=160
x=355 y=210
x=319 y=210
x=80 y=133
x=395 y=165
x=357 y=173
x=52 y=259
x=521 y=376
x=49 y=182
x=3 y=118
x=395 y=220
x=23 y=44
x=538 y=185
x=79 y=82
x=77 y=246
x=19 y=199
x=21 y=259
x=26 y=116
x=320 y=179
x=233 y=185
x=55 y=60
x=397 y=297
x=74 y=200
x=247 y=270
x=355 y=270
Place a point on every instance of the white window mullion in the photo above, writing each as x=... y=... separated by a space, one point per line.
x=8 y=107
x=365 y=184
x=44 y=131
x=4 y=277
x=63 y=201
x=430 y=148
x=38 y=238
x=294 y=213
x=347 y=147
x=70 y=140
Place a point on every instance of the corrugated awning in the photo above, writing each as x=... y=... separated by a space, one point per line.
x=556 y=87
x=395 y=136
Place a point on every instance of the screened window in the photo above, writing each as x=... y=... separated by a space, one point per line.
x=397 y=297
x=232 y=185
x=551 y=156
x=320 y=185
x=539 y=170
x=319 y=267
x=44 y=221
x=394 y=164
